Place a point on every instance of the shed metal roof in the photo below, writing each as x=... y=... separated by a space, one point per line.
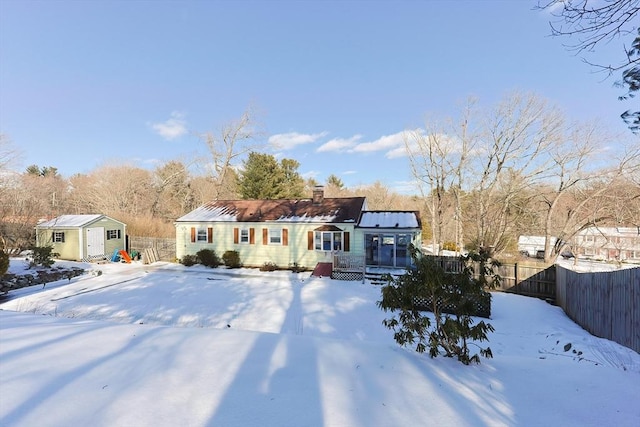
x=71 y=221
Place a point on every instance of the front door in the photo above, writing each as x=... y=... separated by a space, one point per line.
x=95 y=241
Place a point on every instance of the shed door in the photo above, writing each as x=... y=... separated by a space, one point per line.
x=95 y=241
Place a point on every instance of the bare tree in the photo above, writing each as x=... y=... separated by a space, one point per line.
x=8 y=155
x=583 y=186
x=429 y=159
x=227 y=147
x=114 y=190
x=511 y=156
x=173 y=193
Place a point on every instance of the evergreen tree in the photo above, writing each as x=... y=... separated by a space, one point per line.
x=264 y=177
x=453 y=298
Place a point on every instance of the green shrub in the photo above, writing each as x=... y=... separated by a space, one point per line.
x=42 y=256
x=232 y=259
x=452 y=298
x=269 y=266
x=4 y=262
x=208 y=257
x=189 y=260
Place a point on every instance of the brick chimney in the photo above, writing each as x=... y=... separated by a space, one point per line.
x=318 y=194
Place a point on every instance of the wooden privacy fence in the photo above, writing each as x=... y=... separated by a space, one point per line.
x=606 y=304
x=525 y=279
x=163 y=249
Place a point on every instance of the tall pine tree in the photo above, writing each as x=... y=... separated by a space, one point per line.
x=263 y=177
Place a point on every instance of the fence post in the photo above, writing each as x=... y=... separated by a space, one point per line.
x=515 y=267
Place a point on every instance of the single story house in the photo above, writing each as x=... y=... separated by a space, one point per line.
x=82 y=237
x=301 y=232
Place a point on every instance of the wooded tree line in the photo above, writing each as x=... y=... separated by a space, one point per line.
x=483 y=178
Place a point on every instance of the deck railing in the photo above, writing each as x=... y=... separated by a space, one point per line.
x=348 y=263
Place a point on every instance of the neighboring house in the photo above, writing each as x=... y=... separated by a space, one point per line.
x=82 y=237
x=608 y=243
x=532 y=245
x=300 y=233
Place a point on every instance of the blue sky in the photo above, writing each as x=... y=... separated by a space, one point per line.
x=83 y=83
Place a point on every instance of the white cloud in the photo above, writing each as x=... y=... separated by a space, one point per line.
x=173 y=128
x=387 y=142
x=339 y=144
x=396 y=152
x=287 y=141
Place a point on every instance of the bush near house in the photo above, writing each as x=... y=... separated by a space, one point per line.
x=269 y=266
x=232 y=259
x=208 y=258
x=189 y=260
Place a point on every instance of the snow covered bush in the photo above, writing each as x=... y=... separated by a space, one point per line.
x=452 y=332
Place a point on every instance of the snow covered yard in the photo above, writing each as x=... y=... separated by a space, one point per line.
x=166 y=345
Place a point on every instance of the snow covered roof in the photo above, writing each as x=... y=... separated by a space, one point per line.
x=389 y=219
x=334 y=210
x=531 y=240
x=66 y=221
x=610 y=231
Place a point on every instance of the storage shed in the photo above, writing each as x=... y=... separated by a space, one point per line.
x=82 y=237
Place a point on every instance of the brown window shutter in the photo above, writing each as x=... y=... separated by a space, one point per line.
x=265 y=236
x=285 y=237
x=193 y=234
x=210 y=235
x=236 y=233
x=346 y=241
x=252 y=236
x=310 y=240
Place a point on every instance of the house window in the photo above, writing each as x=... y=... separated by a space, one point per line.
x=275 y=236
x=57 y=237
x=328 y=240
x=588 y=238
x=113 y=234
x=244 y=235
x=201 y=235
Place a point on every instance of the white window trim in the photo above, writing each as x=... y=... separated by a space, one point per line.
x=58 y=237
x=199 y=232
x=318 y=241
x=272 y=235
x=243 y=236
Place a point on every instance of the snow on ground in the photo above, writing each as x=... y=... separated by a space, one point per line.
x=166 y=345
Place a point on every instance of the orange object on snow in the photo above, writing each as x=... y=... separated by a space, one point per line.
x=125 y=256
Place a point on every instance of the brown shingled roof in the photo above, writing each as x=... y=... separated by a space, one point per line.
x=335 y=210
